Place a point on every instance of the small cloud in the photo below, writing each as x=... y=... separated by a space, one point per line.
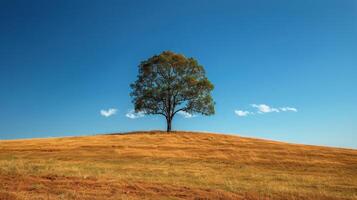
x=286 y=109
x=242 y=113
x=134 y=115
x=186 y=114
x=263 y=108
x=109 y=112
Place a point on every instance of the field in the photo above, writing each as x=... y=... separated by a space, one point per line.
x=179 y=165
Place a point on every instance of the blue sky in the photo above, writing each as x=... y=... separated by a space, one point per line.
x=62 y=62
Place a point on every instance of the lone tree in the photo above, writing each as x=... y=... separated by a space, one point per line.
x=170 y=83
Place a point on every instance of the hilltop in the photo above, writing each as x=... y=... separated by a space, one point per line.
x=179 y=165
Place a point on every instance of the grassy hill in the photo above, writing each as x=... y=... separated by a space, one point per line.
x=181 y=165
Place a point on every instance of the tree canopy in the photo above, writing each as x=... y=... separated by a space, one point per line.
x=169 y=83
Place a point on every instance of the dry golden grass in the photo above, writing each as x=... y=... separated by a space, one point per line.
x=181 y=165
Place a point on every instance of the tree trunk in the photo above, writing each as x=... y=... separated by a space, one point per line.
x=168 y=121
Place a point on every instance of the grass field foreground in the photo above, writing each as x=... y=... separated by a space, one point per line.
x=179 y=165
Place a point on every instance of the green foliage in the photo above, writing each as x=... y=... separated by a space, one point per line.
x=169 y=83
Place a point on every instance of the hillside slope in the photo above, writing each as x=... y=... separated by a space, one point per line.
x=181 y=165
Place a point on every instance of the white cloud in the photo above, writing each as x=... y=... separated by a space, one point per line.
x=186 y=114
x=286 y=109
x=134 y=115
x=263 y=108
x=109 y=112
x=242 y=113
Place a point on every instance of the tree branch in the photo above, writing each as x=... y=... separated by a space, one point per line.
x=181 y=109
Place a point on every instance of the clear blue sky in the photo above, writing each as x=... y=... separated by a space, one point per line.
x=61 y=62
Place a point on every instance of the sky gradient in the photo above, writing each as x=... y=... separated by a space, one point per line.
x=64 y=64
